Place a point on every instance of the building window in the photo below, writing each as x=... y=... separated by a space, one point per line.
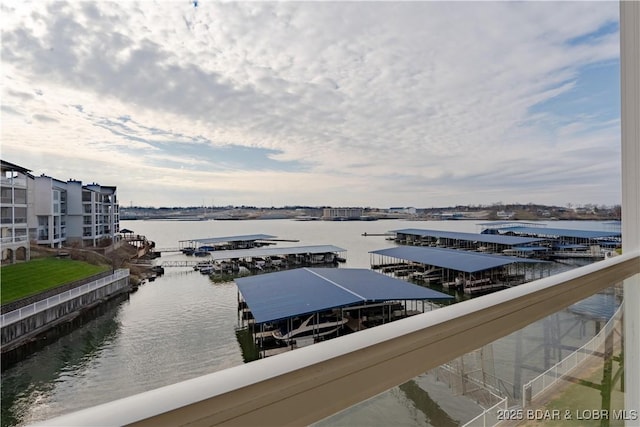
x=5 y=195
x=19 y=196
x=7 y=215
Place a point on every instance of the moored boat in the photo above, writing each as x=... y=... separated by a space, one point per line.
x=314 y=325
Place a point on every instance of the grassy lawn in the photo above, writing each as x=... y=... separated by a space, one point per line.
x=29 y=278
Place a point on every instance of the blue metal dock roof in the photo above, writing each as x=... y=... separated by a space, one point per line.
x=453 y=259
x=531 y=248
x=290 y=293
x=562 y=232
x=246 y=238
x=514 y=223
x=265 y=252
x=473 y=237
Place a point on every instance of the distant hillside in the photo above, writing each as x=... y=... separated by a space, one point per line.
x=498 y=211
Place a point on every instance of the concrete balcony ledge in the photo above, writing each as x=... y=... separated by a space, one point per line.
x=286 y=389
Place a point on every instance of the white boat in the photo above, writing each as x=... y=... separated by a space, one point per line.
x=579 y=251
x=275 y=261
x=312 y=326
x=207 y=269
x=203 y=264
x=317 y=258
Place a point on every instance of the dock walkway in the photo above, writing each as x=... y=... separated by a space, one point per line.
x=179 y=263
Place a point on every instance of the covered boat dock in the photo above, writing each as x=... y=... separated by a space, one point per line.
x=264 y=259
x=471 y=272
x=568 y=243
x=226 y=243
x=310 y=304
x=469 y=241
x=567 y=236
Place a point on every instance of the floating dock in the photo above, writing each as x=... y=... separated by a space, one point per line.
x=495 y=243
x=306 y=305
x=562 y=243
x=226 y=243
x=262 y=259
x=471 y=272
x=526 y=241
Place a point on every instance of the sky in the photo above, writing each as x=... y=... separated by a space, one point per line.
x=373 y=104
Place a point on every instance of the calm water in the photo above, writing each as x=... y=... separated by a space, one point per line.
x=182 y=326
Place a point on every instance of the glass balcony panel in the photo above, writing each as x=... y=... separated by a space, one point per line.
x=15 y=181
x=566 y=366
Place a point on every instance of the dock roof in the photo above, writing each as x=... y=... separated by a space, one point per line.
x=453 y=259
x=512 y=223
x=561 y=232
x=265 y=252
x=530 y=248
x=245 y=238
x=285 y=294
x=472 y=237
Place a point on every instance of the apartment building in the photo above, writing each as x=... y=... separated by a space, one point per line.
x=14 y=234
x=74 y=214
x=341 y=214
x=49 y=214
x=54 y=213
x=100 y=213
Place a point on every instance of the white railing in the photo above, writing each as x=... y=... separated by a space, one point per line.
x=542 y=382
x=31 y=309
x=490 y=416
x=13 y=239
x=342 y=372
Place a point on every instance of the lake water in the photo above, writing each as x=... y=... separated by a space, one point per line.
x=182 y=326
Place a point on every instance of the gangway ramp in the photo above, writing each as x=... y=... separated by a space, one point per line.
x=166 y=264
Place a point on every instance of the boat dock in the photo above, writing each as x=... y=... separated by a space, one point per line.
x=290 y=309
x=563 y=243
x=261 y=259
x=494 y=243
x=525 y=241
x=470 y=272
x=209 y=244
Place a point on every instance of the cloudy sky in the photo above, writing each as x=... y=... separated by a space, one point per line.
x=317 y=103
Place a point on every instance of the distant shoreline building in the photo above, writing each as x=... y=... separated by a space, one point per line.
x=342 y=214
x=409 y=210
x=53 y=213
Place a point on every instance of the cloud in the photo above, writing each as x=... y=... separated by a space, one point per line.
x=45 y=119
x=365 y=103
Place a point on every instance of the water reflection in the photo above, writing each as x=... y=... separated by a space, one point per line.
x=31 y=383
x=436 y=416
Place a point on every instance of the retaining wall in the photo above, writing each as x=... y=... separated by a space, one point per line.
x=24 y=324
x=24 y=302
